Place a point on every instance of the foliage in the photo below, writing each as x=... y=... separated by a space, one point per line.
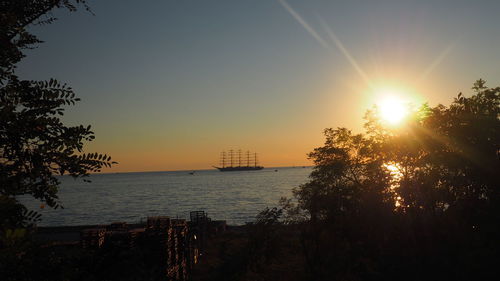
x=263 y=250
x=264 y=238
x=15 y=18
x=35 y=145
x=422 y=198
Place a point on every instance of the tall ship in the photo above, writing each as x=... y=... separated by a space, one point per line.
x=238 y=161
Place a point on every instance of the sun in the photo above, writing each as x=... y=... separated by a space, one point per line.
x=393 y=110
x=392 y=104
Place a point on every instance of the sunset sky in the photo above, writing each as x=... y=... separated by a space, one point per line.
x=168 y=85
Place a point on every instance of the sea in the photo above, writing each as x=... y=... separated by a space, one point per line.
x=236 y=197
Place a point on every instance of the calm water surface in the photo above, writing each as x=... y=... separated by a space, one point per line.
x=233 y=196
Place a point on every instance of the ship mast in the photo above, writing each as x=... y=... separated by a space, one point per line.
x=223 y=159
x=231 y=156
x=238 y=160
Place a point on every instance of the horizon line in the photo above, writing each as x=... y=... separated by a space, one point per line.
x=190 y=170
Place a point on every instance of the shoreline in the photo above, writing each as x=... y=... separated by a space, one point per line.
x=72 y=234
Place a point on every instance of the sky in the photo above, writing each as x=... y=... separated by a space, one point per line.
x=168 y=85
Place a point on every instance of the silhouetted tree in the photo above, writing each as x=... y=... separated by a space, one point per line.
x=421 y=199
x=35 y=145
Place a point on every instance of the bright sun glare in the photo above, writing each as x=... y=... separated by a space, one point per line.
x=392 y=109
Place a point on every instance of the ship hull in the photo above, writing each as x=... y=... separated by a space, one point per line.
x=234 y=169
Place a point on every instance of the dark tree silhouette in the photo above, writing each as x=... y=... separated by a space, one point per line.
x=35 y=145
x=422 y=199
